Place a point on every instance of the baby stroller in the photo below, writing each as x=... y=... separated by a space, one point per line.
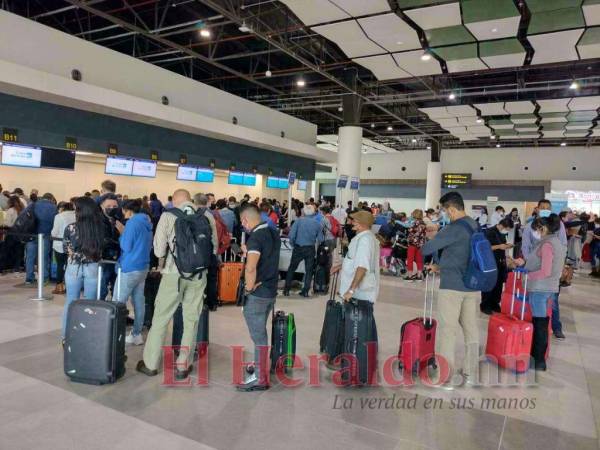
x=396 y=264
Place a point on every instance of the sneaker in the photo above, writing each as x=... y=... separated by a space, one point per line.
x=181 y=375
x=409 y=278
x=134 y=339
x=558 y=334
x=141 y=367
x=252 y=386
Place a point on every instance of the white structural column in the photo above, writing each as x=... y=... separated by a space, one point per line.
x=348 y=161
x=433 y=190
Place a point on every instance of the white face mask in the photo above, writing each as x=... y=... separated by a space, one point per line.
x=504 y=231
x=536 y=234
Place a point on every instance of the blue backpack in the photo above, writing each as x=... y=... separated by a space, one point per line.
x=482 y=271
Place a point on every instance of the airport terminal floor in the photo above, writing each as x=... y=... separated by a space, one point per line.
x=559 y=410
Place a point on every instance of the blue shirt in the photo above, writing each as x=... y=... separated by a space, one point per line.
x=136 y=243
x=306 y=231
x=264 y=217
x=44 y=212
x=228 y=217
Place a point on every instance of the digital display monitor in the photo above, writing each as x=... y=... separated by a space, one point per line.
x=456 y=180
x=292 y=177
x=22 y=156
x=54 y=158
x=284 y=183
x=302 y=184
x=273 y=182
x=249 y=179
x=118 y=166
x=205 y=175
x=236 y=178
x=186 y=173
x=142 y=168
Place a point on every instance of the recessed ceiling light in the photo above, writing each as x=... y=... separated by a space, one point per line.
x=497 y=145
x=205 y=32
x=452 y=96
x=563 y=144
x=341 y=108
x=425 y=56
x=429 y=147
x=390 y=128
x=574 y=85
x=414 y=141
x=268 y=73
x=493 y=136
x=479 y=120
x=372 y=125
x=301 y=83
x=494 y=30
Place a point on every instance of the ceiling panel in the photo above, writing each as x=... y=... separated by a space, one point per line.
x=526 y=127
x=495 y=29
x=350 y=38
x=576 y=133
x=412 y=63
x=456 y=130
x=589 y=44
x=501 y=124
x=461 y=110
x=384 y=67
x=437 y=112
x=523 y=107
x=391 y=32
x=556 y=105
x=591 y=12
x=472 y=121
x=584 y=103
x=357 y=8
x=453 y=122
x=523 y=118
x=553 y=134
x=479 y=131
x=436 y=16
x=491 y=109
x=555 y=47
x=579 y=125
x=578 y=116
x=311 y=12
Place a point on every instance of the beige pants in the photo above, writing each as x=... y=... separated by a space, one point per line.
x=454 y=309
x=172 y=292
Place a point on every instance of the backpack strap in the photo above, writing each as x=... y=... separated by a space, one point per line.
x=466 y=226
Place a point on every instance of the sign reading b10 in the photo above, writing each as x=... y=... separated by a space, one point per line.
x=456 y=180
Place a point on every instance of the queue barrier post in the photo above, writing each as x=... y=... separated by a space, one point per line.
x=40 y=275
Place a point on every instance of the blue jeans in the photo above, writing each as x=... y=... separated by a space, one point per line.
x=256 y=312
x=31 y=249
x=78 y=276
x=595 y=252
x=556 y=323
x=109 y=276
x=132 y=285
x=539 y=303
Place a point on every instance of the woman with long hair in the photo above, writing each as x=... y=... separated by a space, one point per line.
x=136 y=244
x=65 y=217
x=83 y=243
x=13 y=248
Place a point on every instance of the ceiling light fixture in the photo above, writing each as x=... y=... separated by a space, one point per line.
x=414 y=141
x=429 y=147
x=205 y=32
x=493 y=136
x=574 y=85
x=390 y=128
x=244 y=28
x=563 y=144
x=497 y=145
x=400 y=43
x=494 y=30
x=425 y=56
x=452 y=96
x=372 y=125
x=340 y=109
x=301 y=83
x=479 y=120
x=268 y=74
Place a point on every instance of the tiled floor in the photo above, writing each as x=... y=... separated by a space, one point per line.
x=40 y=408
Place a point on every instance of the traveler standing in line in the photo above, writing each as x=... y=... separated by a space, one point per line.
x=211 y=289
x=136 y=244
x=227 y=215
x=497 y=215
x=82 y=243
x=173 y=290
x=169 y=204
x=14 y=249
x=261 y=273
x=3 y=199
x=112 y=213
x=305 y=234
x=457 y=304
x=44 y=211
x=212 y=202
x=529 y=243
x=416 y=240
x=156 y=209
x=490 y=301
x=544 y=265
x=107 y=187
x=65 y=217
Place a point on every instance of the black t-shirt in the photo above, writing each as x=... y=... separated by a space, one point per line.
x=497 y=238
x=265 y=241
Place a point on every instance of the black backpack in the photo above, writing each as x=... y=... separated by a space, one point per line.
x=192 y=242
x=26 y=223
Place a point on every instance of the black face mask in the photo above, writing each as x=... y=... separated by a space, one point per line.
x=115 y=213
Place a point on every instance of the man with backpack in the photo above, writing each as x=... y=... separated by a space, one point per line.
x=183 y=244
x=457 y=303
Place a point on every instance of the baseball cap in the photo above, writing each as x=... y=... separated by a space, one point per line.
x=363 y=217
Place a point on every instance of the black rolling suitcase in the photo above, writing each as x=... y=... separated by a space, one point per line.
x=150 y=292
x=283 y=341
x=94 y=347
x=322 y=269
x=332 y=334
x=360 y=340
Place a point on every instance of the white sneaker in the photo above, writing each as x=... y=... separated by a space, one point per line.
x=131 y=339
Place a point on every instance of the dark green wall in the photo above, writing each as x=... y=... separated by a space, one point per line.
x=41 y=123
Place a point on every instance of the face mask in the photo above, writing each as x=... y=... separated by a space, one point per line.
x=503 y=232
x=445 y=218
x=537 y=235
x=113 y=213
x=545 y=213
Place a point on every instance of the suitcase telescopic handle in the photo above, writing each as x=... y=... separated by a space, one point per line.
x=516 y=293
x=427 y=284
x=99 y=284
x=333 y=289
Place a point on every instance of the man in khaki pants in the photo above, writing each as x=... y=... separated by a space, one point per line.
x=173 y=290
x=457 y=305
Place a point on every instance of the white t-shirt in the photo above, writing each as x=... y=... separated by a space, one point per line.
x=363 y=251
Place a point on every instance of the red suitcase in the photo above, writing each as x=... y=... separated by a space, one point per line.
x=417 y=336
x=509 y=339
x=514 y=281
